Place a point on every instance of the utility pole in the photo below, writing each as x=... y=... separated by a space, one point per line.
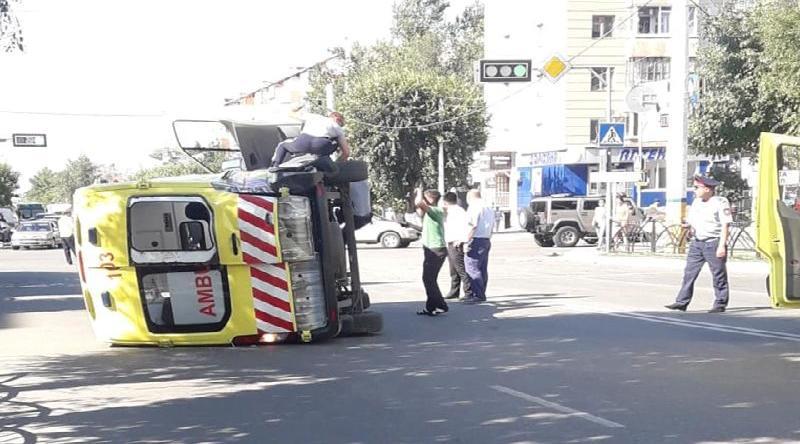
x=441 y=152
x=678 y=93
x=604 y=167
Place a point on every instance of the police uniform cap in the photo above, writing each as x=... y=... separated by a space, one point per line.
x=706 y=181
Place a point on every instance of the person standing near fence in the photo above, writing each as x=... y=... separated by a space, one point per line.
x=599 y=222
x=709 y=219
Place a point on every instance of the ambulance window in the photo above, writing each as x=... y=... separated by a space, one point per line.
x=185 y=300
x=170 y=224
x=789 y=176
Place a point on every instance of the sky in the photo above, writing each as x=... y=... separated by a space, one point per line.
x=154 y=61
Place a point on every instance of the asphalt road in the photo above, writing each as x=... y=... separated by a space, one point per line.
x=572 y=348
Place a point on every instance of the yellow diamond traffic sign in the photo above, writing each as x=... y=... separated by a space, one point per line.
x=555 y=67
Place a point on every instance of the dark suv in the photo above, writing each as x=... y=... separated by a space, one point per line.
x=560 y=221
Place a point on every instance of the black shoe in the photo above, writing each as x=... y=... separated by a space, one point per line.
x=471 y=301
x=425 y=312
x=677 y=306
x=717 y=310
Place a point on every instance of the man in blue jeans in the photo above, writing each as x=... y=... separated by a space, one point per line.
x=476 y=260
x=709 y=218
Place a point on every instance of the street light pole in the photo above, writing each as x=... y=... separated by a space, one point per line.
x=678 y=92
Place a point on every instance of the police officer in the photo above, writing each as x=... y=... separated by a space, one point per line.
x=709 y=218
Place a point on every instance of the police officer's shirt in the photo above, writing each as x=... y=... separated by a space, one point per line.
x=707 y=218
x=321 y=126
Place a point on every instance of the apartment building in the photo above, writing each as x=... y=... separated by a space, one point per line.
x=549 y=129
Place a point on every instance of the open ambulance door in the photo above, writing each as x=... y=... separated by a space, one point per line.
x=778 y=216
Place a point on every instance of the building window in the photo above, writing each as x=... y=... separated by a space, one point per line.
x=599 y=81
x=594 y=129
x=649 y=69
x=602 y=25
x=654 y=20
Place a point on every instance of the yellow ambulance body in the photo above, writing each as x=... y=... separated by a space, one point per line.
x=182 y=262
x=778 y=216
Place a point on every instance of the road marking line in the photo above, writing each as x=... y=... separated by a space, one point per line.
x=710 y=326
x=45 y=297
x=557 y=407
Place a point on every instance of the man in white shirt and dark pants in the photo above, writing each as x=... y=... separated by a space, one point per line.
x=480 y=219
x=709 y=218
x=455 y=234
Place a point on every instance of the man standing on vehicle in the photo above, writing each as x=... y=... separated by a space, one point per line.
x=480 y=219
x=455 y=234
x=320 y=135
x=709 y=218
x=433 y=248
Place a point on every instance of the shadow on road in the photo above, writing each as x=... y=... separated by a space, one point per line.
x=423 y=380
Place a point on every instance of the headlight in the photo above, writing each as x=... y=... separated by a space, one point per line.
x=294 y=225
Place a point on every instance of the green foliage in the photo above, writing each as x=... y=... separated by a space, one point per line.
x=401 y=98
x=751 y=69
x=9 y=181
x=44 y=187
x=174 y=164
x=10 y=31
x=48 y=186
x=78 y=173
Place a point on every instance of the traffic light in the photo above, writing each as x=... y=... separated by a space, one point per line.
x=505 y=71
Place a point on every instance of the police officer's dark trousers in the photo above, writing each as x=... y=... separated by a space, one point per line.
x=701 y=252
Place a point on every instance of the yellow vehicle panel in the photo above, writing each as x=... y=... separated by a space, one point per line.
x=226 y=287
x=777 y=218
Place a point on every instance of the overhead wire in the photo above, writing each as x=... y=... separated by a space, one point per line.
x=477 y=110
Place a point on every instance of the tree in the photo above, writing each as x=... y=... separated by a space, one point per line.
x=176 y=163
x=10 y=31
x=45 y=187
x=9 y=182
x=748 y=87
x=395 y=117
x=402 y=97
x=78 y=173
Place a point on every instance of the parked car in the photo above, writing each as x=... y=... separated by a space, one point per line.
x=389 y=233
x=560 y=221
x=35 y=234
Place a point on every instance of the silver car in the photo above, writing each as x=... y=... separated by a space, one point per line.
x=40 y=233
x=389 y=233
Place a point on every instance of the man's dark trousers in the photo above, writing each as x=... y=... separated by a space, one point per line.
x=458 y=274
x=68 y=244
x=699 y=253
x=434 y=259
x=476 y=263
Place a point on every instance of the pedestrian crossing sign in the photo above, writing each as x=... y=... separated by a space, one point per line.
x=611 y=134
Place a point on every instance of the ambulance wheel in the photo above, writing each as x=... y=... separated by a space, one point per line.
x=364 y=323
x=349 y=171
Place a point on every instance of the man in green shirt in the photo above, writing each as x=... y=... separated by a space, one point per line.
x=434 y=248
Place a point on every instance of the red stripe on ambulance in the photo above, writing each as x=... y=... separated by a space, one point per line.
x=256 y=229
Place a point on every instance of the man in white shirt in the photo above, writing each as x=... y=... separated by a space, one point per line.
x=599 y=222
x=320 y=135
x=709 y=218
x=480 y=219
x=455 y=235
x=65 y=231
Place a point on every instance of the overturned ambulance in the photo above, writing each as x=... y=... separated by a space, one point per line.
x=242 y=257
